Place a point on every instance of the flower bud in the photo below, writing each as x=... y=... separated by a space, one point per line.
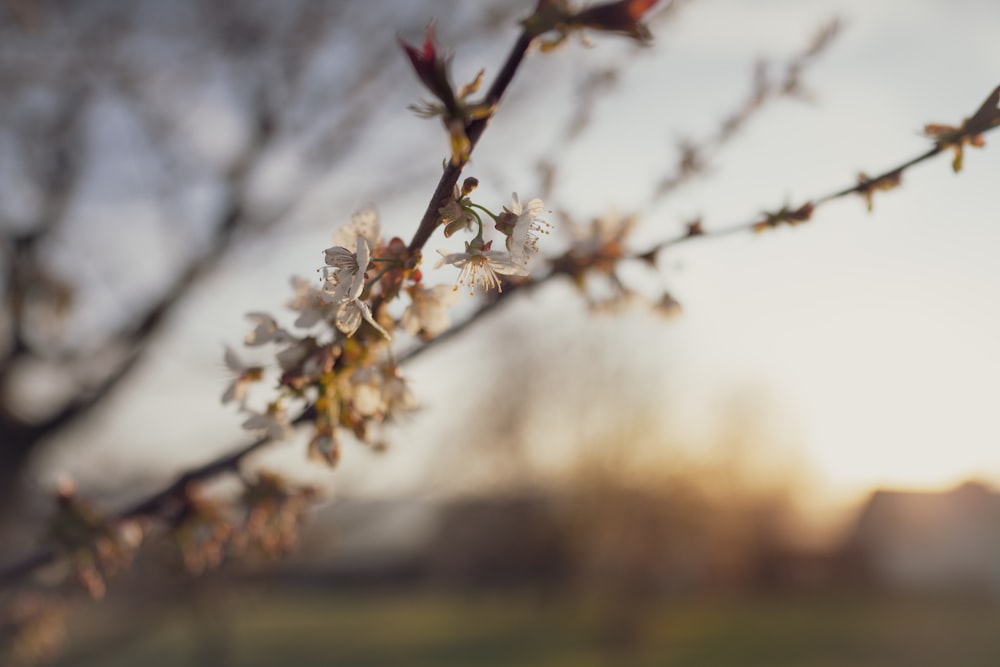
x=432 y=69
x=468 y=185
x=506 y=222
x=620 y=17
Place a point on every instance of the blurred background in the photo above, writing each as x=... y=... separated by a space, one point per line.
x=800 y=468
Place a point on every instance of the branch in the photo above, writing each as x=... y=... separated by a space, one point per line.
x=696 y=157
x=970 y=132
x=473 y=130
x=137 y=336
x=987 y=118
x=58 y=174
x=230 y=462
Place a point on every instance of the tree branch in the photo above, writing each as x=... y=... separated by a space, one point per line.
x=230 y=462
x=474 y=130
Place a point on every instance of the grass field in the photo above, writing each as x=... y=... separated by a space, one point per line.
x=431 y=628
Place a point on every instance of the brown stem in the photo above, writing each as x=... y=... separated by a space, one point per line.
x=13 y=572
x=474 y=130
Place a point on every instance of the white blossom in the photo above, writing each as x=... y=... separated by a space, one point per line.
x=308 y=301
x=376 y=394
x=347 y=279
x=266 y=330
x=366 y=392
x=364 y=224
x=244 y=375
x=345 y=284
x=428 y=310
x=397 y=394
x=523 y=240
x=272 y=424
x=347 y=265
x=342 y=258
x=292 y=357
x=349 y=316
x=338 y=286
x=352 y=310
x=454 y=215
x=481 y=266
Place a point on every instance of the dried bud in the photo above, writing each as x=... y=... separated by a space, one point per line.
x=202 y=533
x=468 y=185
x=274 y=510
x=461 y=147
x=694 y=228
x=619 y=17
x=667 y=306
x=971 y=130
x=92 y=545
x=785 y=216
x=325 y=447
x=432 y=69
x=867 y=187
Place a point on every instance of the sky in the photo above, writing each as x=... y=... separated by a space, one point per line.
x=876 y=331
x=869 y=338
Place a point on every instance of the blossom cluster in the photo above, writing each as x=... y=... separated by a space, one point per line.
x=479 y=264
x=335 y=364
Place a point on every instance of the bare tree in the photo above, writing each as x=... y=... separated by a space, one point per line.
x=111 y=71
x=96 y=117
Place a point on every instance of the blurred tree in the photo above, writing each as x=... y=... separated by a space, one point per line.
x=102 y=152
x=98 y=130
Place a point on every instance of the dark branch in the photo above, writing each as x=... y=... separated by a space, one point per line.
x=474 y=130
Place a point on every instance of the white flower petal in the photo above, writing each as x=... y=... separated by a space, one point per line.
x=505 y=263
x=535 y=208
x=450 y=258
x=233 y=361
x=236 y=391
x=363 y=255
x=340 y=258
x=367 y=314
x=428 y=310
x=365 y=222
x=348 y=317
x=515 y=206
x=265 y=331
x=367 y=399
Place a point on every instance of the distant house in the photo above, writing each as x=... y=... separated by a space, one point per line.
x=946 y=541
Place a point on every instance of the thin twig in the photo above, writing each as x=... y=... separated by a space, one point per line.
x=474 y=130
x=231 y=461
